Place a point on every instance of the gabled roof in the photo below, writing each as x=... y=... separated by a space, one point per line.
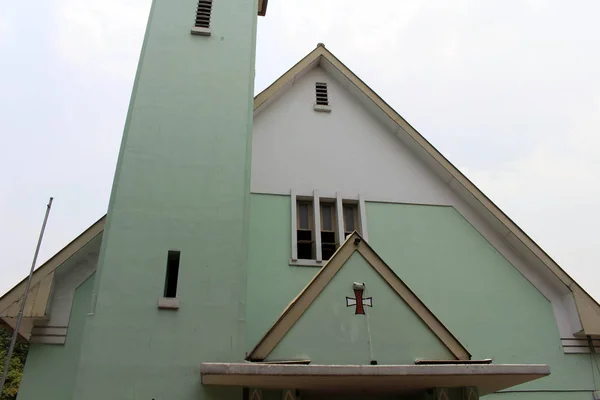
x=41 y=284
x=587 y=308
x=353 y=243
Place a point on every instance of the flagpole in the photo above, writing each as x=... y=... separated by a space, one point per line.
x=13 y=341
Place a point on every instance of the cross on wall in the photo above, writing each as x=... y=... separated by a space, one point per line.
x=359 y=302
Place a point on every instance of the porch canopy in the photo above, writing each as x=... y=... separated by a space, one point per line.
x=377 y=378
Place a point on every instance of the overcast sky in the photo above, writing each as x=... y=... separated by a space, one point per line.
x=509 y=91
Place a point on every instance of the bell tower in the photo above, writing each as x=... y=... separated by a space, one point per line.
x=169 y=291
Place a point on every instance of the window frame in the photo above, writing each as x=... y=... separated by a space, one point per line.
x=337 y=202
x=311 y=227
x=354 y=206
x=334 y=223
x=170 y=300
x=172 y=274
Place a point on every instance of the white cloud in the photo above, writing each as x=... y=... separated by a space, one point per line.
x=553 y=192
x=537 y=5
x=103 y=36
x=7 y=33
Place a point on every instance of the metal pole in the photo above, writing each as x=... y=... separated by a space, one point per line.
x=24 y=300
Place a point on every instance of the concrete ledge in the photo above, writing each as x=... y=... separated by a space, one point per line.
x=381 y=378
x=197 y=30
x=48 y=339
x=49 y=331
x=306 y=263
x=322 y=108
x=168 y=303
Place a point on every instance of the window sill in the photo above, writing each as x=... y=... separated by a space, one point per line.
x=168 y=303
x=198 y=30
x=322 y=108
x=306 y=263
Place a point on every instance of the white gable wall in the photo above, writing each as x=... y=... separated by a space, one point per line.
x=297 y=148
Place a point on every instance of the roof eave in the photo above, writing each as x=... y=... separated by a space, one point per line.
x=377 y=378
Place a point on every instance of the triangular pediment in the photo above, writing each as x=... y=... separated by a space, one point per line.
x=359 y=306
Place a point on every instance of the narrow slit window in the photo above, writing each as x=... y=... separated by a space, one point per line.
x=304 y=233
x=350 y=219
x=172 y=274
x=322 y=94
x=203 y=12
x=328 y=237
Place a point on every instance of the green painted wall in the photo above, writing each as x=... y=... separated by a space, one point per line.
x=397 y=334
x=438 y=254
x=272 y=283
x=498 y=314
x=181 y=183
x=50 y=369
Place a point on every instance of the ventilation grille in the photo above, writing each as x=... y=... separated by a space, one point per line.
x=322 y=96
x=203 y=13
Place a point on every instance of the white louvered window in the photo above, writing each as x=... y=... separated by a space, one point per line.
x=203 y=13
x=322 y=95
x=202 y=21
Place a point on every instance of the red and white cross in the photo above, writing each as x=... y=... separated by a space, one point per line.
x=359 y=301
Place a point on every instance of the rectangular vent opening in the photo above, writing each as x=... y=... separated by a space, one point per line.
x=203 y=13
x=172 y=274
x=322 y=95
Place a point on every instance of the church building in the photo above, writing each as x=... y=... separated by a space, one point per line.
x=306 y=243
